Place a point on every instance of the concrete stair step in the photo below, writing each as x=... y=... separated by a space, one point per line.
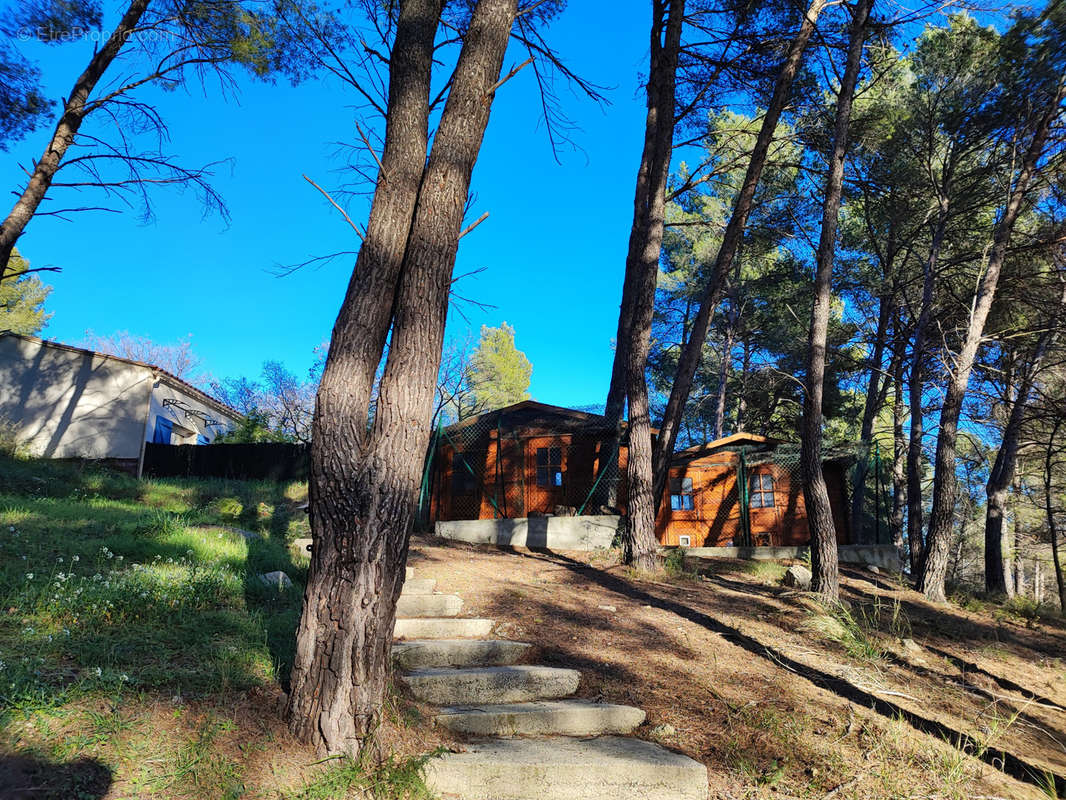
x=408 y=573
x=429 y=605
x=419 y=586
x=544 y=718
x=442 y=628
x=420 y=654
x=480 y=685
x=557 y=768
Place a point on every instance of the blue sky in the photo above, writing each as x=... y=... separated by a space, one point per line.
x=553 y=248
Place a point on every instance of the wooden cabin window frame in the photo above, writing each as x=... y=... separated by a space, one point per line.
x=549 y=467
x=682 y=494
x=464 y=481
x=761 y=491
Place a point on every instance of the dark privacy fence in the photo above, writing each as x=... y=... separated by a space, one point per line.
x=264 y=461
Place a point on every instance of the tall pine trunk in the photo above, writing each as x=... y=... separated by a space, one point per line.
x=945 y=482
x=1049 y=510
x=826 y=582
x=899 y=452
x=1002 y=473
x=641 y=277
x=916 y=382
x=364 y=476
x=723 y=379
x=691 y=353
x=341 y=661
x=75 y=109
x=871 y=405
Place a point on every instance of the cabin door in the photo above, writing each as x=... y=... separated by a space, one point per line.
x=546 y=458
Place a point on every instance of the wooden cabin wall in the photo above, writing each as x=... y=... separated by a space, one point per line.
x=836 y=484
x=715 y=521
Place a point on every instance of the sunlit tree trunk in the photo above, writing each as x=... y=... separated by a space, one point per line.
x=916 y=382
x=1049 y=508
x=945 y=483
x=692 y=352
x=365 y=475
x=826 y=582
x=641 y=277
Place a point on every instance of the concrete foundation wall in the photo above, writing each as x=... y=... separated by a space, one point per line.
x=553 y=533
x=883 y=556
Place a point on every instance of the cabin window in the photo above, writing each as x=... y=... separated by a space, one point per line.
x=550 y=467
x=681 y=496
x=684 y=541
x=762 y=491
x=464 y=480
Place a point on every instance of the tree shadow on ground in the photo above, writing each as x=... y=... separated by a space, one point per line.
x=26 y=778
x=280 y=609
x=1008 y=762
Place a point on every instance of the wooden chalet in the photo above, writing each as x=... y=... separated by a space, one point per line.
x=705 y=501
x=533 y=459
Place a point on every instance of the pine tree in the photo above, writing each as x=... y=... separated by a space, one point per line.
x=22 y=300
x=499 y=371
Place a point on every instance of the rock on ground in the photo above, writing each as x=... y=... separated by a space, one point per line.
x=798 y=577
x=277 y=580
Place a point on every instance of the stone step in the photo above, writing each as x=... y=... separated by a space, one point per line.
x=408 y=573
x=479 y=685
x=421 y=654
x=429 y=605
x=557 y=768
x=544 y=718
x=419 y=586
x=442 y=628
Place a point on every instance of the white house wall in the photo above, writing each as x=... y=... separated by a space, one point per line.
x=69 y=404
x=186 y=427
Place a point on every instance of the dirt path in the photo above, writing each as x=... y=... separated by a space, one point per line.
x=744 y=677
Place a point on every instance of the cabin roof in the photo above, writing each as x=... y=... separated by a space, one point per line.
x=530 y=413
x=735 y=440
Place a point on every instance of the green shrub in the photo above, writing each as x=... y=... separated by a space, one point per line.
x=11 y=445
x=675 y=562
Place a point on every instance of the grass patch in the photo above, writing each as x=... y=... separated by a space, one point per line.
x=392 y=779
x=133 y=622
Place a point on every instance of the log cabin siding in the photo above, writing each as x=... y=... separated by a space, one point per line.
x=504 y=458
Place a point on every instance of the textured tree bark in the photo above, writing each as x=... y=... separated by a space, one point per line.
x=871 y=406
x=342 y=649
x=643 y=265
x=1049 y=510
x=916 y=383
x=75 y=109
x=723 y=378
x=1002 y=473
x=945 y=488
x=652 y=175
x=1016 y=550
x=826 y=578
x=899 y=455
x=689 y=359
